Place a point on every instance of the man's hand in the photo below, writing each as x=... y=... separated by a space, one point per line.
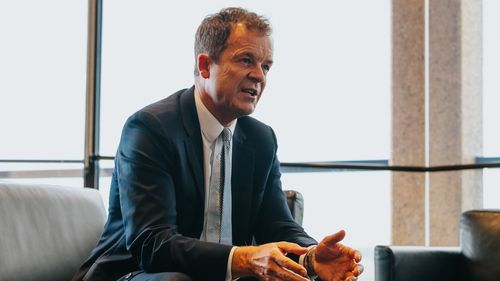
x=268 y=262
x=333 y=261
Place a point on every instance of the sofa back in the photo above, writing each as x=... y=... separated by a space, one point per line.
x=480 y=243
x=295 y=202
x=46 y=232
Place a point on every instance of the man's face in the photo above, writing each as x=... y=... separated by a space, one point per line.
x=236 y=81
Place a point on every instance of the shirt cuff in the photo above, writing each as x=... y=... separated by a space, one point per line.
x=301 y=258
x=229 y=275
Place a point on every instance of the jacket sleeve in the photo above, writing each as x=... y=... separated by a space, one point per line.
x=145 y=163
x=274 y=218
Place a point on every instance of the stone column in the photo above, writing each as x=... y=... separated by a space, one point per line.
x=408 y=121
x=455 y=113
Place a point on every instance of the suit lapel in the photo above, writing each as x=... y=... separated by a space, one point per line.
x=193 y=142
x=243 y=166
x=241 y=184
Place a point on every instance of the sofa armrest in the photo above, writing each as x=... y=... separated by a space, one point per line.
x=406 y=263
x=46 y=231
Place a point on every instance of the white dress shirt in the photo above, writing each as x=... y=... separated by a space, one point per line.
x=210 y=130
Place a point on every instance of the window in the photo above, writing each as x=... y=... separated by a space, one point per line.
x=319 y=63
x=491 y=100
x=42 y=70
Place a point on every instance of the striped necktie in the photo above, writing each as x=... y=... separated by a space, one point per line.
x=219 y=212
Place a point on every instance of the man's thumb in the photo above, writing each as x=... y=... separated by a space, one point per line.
x=334 y=238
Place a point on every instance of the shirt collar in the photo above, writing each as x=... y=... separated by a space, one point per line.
x=210 y=126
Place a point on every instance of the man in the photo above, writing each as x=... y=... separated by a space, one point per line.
x=194 y=175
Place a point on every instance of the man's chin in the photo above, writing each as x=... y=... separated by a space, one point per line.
x=247 y=110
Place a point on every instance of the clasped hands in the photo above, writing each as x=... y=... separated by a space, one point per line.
x=331 y=261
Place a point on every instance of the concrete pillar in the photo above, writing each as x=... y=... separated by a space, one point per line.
x=408 y=121
x=455 y=113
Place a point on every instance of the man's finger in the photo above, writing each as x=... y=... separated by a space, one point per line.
x=357 y=256
x=288 y=275
x=349 y=276
x=276 y=271
x=287 y=247
x=358 y=269
x=333 y=239
x=290 y=265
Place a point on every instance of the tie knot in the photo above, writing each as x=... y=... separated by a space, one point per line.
x=226 y=135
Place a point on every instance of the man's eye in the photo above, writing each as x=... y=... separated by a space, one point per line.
x=246 y=60
x=266 y=67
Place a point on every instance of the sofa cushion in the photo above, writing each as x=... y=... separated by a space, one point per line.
x=480 y=242
x=46 y=232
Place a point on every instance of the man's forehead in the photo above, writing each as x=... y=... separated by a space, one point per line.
x=242 y=35
x=241 y=30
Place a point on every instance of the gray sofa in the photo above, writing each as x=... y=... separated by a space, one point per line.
x=46 y=231
x=477 y=258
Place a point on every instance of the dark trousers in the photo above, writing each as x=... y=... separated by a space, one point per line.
x=165 y=276
x=161 y=276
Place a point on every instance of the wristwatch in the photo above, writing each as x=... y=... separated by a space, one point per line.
x=308 y=263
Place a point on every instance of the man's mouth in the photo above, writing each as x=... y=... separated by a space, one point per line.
x=250 y=91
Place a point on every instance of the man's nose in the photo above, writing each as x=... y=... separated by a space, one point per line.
x=257 y=74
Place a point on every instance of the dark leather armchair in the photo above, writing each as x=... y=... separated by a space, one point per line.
x=477 y=258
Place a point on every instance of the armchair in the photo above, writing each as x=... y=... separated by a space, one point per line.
x=47 y=231
x=477 y=258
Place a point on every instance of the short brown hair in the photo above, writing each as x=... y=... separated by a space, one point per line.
x=214 y=30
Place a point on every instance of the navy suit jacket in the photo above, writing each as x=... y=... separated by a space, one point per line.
x=156 y=207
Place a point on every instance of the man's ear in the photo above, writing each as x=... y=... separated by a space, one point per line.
x=204 y=63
